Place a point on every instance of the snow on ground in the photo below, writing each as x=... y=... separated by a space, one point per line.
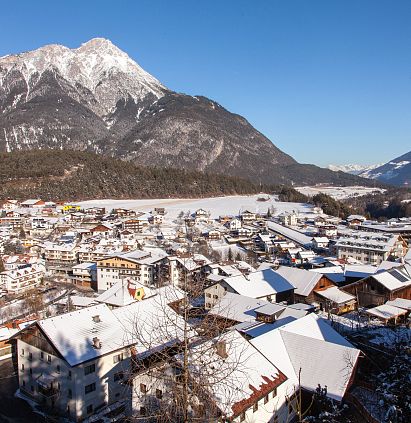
x=339 y=193
x=217 y=206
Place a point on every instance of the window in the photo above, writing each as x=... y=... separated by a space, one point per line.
x=41 y=355
x=117 y=358
x=89 y=388
x=31 y=371
x=24 y=383
x=208 y=295
x=266 y=399
x=143 y=411
x=30 y=356
x=58 y=368
x=32 y=388
x=89 y=369
x=118 y=376
x=274 y=392
x=159 y=393
x=143 y=388
x=242 y=416
x=89 y=409
x=22 y=351
x=48 y=358
x=69 y=375
x=255 y=407
x=70 y=393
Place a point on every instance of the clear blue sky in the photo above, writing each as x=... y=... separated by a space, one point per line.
x=328 y=81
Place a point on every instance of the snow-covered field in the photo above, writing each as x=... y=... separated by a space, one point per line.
x=339 y=193
x=217 y=206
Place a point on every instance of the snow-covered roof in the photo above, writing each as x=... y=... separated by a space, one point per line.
x=238 y=376
x=401 y=303
x=386 y=311
x=259 y=284
x=122 y=293
x=141 y=324
x=311 y=346
x=237 y=307
x=394 y=279
x=335 y=295
x=303 y=280
x=295 y=236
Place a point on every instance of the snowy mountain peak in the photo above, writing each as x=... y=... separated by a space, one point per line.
x=97 y=65
x=353 y=169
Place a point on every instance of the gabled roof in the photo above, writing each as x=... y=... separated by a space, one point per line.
x=309 y=344
x=259 y=284
x=393 y=279
x=303 y=280
x=335 y=295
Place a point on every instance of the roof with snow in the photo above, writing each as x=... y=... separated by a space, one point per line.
x=386 y=311
x=303 y=280
x=309 y=345
x=259 y=284
x=335 y=295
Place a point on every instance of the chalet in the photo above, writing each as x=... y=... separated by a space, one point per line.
x=137 y=223
x=102 y=229
x=310 y=352
x=328 y=231
x=381 y=287
x=320 y=243
x=264 y=284
x=306 y=283
x=85 y=274
x=123 y=212
x=335 y=300
x=355 y=220
x=161 y=211
x=186 y=267
x=247 y=216
x=252 y=390
x=201 y=215
x=9 y=205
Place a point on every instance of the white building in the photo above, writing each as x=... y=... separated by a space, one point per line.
x=76 y=363
x=22 y=279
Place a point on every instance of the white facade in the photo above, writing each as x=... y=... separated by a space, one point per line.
x=22 y=279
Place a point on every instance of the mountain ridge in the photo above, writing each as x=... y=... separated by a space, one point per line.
x=96 y=98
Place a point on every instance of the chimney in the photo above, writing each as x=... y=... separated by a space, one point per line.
x=221 y=348
x=96 y=319
x=96 y=343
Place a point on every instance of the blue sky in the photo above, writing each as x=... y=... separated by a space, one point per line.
x=327 y=81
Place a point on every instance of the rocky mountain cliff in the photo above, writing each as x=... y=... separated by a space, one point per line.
x=96 y=98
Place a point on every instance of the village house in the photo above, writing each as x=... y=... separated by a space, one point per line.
x=288 y=219
x=320 y=243
x=85 y=274
x=247 y=216
x=9 y=205
x=136 y=224
x=384 y=286
x=329 y=231
x=32 y=203
x=264 y=284
x=75 y=364
x=248 y=387
x=187 y=268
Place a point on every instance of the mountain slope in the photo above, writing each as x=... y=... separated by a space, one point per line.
x=73 y=175
x=96 y=98
x=396 y=172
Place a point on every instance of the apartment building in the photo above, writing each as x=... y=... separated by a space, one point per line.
x=148 y=267
x=76 y=364
x=368 y=247
x=22 y=279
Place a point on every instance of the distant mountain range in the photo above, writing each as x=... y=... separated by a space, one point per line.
x=395 y=172
x=96 y=98
x=353 y=169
